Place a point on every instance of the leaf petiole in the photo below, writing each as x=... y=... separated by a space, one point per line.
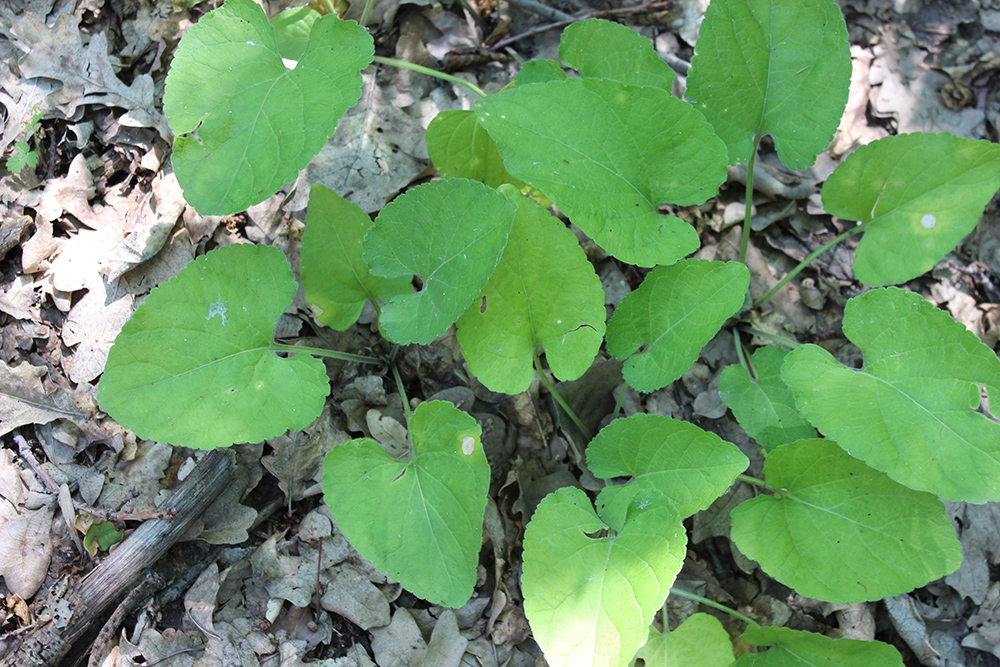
x=402 y=396
x=320 y=352
x=744 y=244
x=429 y=72
x=759 y=482
x=804 y=263
x=366 y=12
x=780 y=340
x=620 y=401
x=715 y=605
x=562 y=403
x=743 y=360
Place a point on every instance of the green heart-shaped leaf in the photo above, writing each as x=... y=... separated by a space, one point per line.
x=451 y=233
x=778 y=67
x=764 y=407
x=291 y=31
x=590 y=599
x=419 y=521
x=910 y=411
x=461 y=148
x=196 y=364
x=659 y=329
x=335 y=278
x=246 y=124
x=601 y=49
x=841 y=531
x=700 y=641
x=688 y=465
x=599 y=149
x=539 y=71
x=920 y=194
x=543 y=294
x=798 y=648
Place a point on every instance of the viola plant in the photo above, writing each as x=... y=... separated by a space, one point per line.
x=857 y=460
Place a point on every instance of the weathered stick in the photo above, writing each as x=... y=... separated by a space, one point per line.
x=119 y=572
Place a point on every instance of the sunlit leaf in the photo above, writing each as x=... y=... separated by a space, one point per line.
x=543 y=294
x=335 y=278
x=764 y=406
x=688 y=465
x=920 y=195
x=451 y=234
x=420 y=520
x=196 y=365
x=590 y=597
x=608 y=155
x=659 y=329
x=841 y=531
x=461 y=148
x=778 y=67
x=910 y=411
x=700 y=641
x=246 y=124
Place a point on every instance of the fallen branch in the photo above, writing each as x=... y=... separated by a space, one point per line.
x=46 y=645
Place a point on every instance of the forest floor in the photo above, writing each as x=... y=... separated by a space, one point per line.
x=266 y=578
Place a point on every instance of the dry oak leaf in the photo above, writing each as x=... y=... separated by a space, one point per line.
x=85 y=72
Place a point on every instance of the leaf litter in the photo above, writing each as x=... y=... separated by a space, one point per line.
x=107 y=223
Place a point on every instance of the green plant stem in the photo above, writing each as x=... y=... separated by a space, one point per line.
x=320 y=352
x=780 y=340
x=664 y=619
x=758 y=482
x=620 y=402
x=476 y=17
x=744 y=362
x=366 y=12
x=402 y=395
x=429 y=72
x=559 y=399
x=330 y=9
x=712 y=603
x=747 y=217
x=804 y=263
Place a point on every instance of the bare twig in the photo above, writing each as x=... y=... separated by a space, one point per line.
x=562 y=23
x=550 y=13
x=118 y=573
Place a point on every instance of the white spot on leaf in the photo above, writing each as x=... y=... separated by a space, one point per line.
x=217 y=309
x=928 y=221
x=468 y=445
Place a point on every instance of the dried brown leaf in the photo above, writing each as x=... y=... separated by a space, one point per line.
x=23 y=400
x=25 y=550
x=58 y=53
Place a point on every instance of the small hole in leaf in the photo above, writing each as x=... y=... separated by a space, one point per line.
x=482 y=308
x=597 y=534
x=418 y=283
